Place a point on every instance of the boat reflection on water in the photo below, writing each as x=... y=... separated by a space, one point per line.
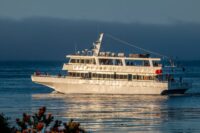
x=123 y=113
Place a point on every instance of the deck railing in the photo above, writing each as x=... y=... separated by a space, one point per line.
x=109 y=68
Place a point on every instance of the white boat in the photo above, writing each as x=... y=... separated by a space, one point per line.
x=92 y=71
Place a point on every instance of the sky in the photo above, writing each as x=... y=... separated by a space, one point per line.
x=50 y=29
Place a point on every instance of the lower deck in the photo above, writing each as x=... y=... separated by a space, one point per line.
x=77 y=85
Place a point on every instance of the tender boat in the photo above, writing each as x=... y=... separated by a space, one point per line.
x=93 y=71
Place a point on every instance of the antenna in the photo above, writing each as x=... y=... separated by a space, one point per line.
x=75 y=47
x=97 y=45
x=98 y=29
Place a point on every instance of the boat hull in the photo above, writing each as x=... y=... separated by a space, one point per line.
x=174 y=91
x=95 y=86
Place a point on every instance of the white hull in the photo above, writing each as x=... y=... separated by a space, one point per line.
x=75 y=85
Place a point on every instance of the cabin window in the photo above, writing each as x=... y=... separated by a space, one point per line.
x=99 y=75
x=129 y=77
x=140 y=77
x=110 y=62
x=82 y=61
x=72 y=61
x=104 y=75
x=70 y=74
x=137 y=62
x=115 y=75
x=87 y=61
x=134 y=62
x=134 y=76
x=94 y=75
x=125 y=76
x=146 y=63
x=73 y=74
x=146 y=77
x=82 y=75
x=152 y=78
x=86 y=75
x=121 y=76
x=92 y=61
x=89 y=75
x=78 y=74
x=118 y=62
x=157 y=64
x=105 y=61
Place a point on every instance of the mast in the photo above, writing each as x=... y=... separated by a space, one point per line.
x=97 y=45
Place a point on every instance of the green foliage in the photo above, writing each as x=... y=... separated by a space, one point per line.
x=4 y=125
x=39 y=123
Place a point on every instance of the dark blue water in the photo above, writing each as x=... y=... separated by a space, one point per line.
x=100 y=113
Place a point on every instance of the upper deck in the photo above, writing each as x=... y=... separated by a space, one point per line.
x=109 y=64
x=94 y=60
x=110 y=57
x=114 y=60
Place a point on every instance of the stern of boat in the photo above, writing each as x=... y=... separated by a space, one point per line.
x=177 y=88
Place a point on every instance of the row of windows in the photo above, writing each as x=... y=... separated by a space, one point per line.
x=137 y=63
x=111 y=76
x=83 y=61
x=116 y=62
x=110 y=62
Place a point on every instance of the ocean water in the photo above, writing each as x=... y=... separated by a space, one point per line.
x=100 y=113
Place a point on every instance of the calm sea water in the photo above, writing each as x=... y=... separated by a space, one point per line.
x=100 y=113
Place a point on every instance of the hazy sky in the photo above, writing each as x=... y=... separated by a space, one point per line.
x=50 y=29
x=146 y=11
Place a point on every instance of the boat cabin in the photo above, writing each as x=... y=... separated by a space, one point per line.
x=116 y=61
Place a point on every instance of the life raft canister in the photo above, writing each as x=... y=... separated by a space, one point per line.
x=159 y=71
